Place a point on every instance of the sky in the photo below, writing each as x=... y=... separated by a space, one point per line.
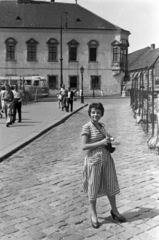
x=139 y=17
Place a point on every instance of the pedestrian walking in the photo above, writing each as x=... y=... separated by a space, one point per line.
x=75 y=93
x=2 y=101
x=63 y=93
x=80 y=92
x=8 y=98
x=18 y=96
x=59 y=96
x=102 y=93
x=99 y=174
x=70 y=95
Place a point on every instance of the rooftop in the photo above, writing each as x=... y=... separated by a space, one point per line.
x=48 y=15
x=142 y=58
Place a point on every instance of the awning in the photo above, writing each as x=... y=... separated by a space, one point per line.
x=136 y=74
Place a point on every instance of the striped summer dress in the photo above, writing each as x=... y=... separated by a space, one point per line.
x=99 y=174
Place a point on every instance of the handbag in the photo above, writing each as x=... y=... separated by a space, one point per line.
x=108 y=147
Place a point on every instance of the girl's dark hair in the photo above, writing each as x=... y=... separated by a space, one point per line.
x=98 y=106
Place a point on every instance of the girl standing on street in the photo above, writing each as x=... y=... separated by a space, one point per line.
x=99 y=172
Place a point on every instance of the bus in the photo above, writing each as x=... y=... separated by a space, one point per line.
x=32 y=86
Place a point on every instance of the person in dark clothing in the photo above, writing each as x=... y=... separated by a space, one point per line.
x=70 y=95
x=18 y=95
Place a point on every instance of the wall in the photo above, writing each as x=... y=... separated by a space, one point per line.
x=110 y=84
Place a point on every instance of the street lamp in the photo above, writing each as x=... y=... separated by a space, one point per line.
x=82 y=71
x=61 y=59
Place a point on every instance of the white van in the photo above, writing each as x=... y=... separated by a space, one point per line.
x=32 y=86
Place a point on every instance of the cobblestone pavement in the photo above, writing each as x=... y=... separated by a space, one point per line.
x=41 y=185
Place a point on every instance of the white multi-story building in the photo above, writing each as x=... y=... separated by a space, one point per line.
x=55 y=40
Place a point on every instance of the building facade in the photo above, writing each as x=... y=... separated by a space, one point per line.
x=55 y=40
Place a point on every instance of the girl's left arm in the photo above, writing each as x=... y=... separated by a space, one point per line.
x=91 y=146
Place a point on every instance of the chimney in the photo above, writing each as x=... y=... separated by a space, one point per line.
x=152 y=46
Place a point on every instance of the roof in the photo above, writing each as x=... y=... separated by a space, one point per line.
x=48 y=15
x=142 y=58
x=132 y=57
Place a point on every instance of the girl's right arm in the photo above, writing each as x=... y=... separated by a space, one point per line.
x=90 y=146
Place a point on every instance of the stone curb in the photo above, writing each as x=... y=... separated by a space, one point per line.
x=34 y=135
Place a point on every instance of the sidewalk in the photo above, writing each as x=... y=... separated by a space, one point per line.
x=37 y=118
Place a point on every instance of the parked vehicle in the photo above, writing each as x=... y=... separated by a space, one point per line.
x=32 y=86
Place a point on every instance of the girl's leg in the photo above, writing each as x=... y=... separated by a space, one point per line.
x=112 y=200
x=114 y=212
x=93 y=210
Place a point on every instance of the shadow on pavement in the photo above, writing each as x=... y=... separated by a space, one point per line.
x=142 y=213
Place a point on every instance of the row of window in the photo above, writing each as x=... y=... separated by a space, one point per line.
x=52 y=50
x=95 y=82
x=119 y=54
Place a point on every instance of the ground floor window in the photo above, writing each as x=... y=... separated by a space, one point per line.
x=73 y=82
x=95 y=82
x=53 y=82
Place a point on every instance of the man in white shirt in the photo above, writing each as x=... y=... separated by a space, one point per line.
x=18 y=96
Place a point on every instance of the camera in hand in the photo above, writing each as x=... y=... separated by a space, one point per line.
x=110 y=148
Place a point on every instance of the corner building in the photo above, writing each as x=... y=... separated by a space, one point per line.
x=36 y=38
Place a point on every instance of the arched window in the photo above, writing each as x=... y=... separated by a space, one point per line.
x=52 y=50
x=10 y=49
x=73 y=45
x=93 y=46
x=31 y=50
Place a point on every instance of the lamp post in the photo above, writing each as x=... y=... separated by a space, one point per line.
x=61 y=59
x=82 y=71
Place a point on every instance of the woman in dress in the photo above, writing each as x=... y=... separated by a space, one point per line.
x=99 y=172
x=59 y=96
